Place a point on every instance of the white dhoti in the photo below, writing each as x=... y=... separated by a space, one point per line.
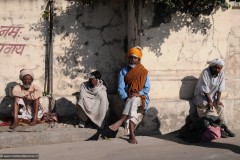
x=27 y=110
x=218 y=111
x=132 y=110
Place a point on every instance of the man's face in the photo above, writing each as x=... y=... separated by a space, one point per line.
x=216 y=69
x=27 y=81
x=93 y=82
x=133 y=61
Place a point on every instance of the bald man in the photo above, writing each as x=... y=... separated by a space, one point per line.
x=133 y=88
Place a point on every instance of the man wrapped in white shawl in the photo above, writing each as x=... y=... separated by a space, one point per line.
x=93 y=102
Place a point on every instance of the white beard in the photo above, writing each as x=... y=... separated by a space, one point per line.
x=132 y=65
x=26 y=86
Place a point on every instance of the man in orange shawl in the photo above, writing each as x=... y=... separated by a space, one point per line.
x=133 y=88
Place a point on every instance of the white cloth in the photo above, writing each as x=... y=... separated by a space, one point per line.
x=217 y=61
x=94 y=102
x=218 y=111
x=208 y=84
x=25 y=72
x=131 y=109
x=26 y=111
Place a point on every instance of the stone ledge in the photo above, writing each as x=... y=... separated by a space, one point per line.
x=41 y=135
x=163 y=116
x=19 y=139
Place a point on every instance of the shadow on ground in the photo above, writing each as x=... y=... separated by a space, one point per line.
x=214 y=144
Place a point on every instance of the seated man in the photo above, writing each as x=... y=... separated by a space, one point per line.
x=26 y=99
x=133 y=88
x=207 y=94
x=93 y=101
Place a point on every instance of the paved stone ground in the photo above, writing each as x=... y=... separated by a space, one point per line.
x=161 y=147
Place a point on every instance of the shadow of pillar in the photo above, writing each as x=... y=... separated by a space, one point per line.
x=150 y=125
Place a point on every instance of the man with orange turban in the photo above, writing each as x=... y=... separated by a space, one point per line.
x=133 y=88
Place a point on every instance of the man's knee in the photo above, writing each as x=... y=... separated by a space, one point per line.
x=36 y=100
x=221 y=107
x=201 y=110
x=134 y=100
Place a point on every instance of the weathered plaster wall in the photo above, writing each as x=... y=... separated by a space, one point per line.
x=174 y=51
x=86 y=39
x=89 y=38
x=21 y=41
x=175 y=54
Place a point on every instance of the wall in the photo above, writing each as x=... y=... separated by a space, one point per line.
x=22 y=43
x=86 y=39
x=175 y=54
x=97 y=37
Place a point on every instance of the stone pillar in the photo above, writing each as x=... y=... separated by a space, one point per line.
x=134 y=22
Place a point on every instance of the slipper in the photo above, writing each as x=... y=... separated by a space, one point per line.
x=109 y=133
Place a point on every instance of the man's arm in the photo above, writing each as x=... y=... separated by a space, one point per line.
x=34 y=93
x=218 y=98
x=146 y=87
x=204 y=88
x=121 y=86
x=18 y=92
x=210 y=102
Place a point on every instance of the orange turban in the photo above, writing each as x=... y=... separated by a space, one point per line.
x=135 y=52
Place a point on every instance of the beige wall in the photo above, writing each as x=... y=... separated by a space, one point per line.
x=22 y=42
x=174 y=51
x=89 y=38
x=176 y=54
x=85 y=39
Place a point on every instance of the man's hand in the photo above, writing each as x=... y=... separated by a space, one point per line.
x=219 y=103
x=134 y=95
x=28 y=93
x=31 y=92
x=211 y=105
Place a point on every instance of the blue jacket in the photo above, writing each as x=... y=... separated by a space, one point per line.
x=123 y=87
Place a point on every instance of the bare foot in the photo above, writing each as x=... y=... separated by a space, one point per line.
x=13 y=125
x=33 y=123
x=113 y=128
x=132 y=140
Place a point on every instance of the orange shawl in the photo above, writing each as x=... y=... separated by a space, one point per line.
x=136 y=79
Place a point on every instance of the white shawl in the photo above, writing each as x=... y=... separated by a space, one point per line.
x=94 y=102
